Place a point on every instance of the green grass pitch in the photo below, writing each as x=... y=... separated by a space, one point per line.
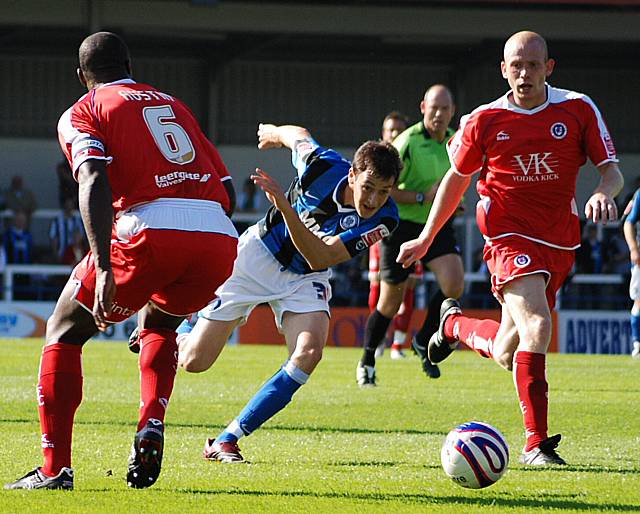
x=335 y=448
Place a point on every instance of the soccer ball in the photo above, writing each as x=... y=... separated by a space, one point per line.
x=475 y=455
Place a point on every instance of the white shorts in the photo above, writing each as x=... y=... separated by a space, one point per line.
x=258 y=277
x=634 y=285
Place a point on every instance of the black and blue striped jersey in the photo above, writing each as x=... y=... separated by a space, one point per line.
x=315 y=195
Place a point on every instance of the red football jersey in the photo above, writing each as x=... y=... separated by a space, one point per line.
x=528 y=162
x=151 y=140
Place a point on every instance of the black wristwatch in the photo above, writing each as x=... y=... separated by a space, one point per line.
x=420 y=198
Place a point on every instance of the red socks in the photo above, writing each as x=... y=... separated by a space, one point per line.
x=477 y=334
x=374 y=294
x=402 y=320
x=59 y=395
x=158 y=365
x=530 y=376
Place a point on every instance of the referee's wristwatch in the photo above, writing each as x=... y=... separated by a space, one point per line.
x=420 y=198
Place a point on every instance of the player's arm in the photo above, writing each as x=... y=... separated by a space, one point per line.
x=601 y=206
x=319 y=253
x=445 y=203
x=277 y=136
x=97 y=215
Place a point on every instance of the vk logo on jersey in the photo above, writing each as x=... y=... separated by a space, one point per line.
x=536 y=167
x=559 y=130
x=522 y=260
x=349 y=221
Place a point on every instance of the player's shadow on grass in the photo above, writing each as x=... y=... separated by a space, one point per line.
x=284 y=428
x=549 y=501
x=578 y=468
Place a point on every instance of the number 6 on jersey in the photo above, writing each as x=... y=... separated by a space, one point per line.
x=172 y=140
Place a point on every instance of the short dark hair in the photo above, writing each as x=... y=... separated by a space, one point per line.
x=380 y=157
x=396 y=115
x=104 y=54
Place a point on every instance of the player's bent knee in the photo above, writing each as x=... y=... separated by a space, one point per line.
x=194 y=364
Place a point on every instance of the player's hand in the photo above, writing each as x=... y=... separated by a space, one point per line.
x=270 y=187
x=601 y=207
x=635 y=257
x=268 y=136
x=411 y=251
x=103 y=301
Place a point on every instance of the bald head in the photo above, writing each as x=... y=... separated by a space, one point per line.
x=526 y=66
x=439 y=91
x=525 y=39
x=437 y=110
x=104 y=56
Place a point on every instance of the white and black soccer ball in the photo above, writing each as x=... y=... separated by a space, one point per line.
x=475 y=455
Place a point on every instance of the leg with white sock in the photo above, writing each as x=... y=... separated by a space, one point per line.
x=306 y=334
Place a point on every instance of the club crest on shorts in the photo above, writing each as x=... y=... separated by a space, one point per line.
x=348 y=221
x=559 y=130
x=522 y=260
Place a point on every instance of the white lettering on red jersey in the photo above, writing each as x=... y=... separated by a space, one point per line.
x=528 y=162
x=152 y=143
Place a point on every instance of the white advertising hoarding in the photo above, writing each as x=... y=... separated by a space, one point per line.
x=29 y=319
x=598 y=332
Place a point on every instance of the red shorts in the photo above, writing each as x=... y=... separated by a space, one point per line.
x=177 y=270
x=511 y=257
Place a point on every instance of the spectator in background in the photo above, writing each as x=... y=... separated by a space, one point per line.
x=19 y=198
x=67 y=186
x=62 y=229
x=250 y=199
x=17 y=240
x=17 y=244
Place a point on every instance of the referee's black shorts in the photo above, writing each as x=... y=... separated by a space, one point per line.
x=393 y=273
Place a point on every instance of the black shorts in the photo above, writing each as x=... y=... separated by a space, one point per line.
x=443 y=244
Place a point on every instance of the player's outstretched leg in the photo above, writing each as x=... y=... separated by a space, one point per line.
x=478 y=334
x=272 y=397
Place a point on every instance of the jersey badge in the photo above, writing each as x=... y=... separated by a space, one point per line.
x=522 y=260
x=559 y=130
x=348 y=221
x=502 y=136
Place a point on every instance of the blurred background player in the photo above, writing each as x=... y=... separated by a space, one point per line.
x=333 y=210
x=393 y=124
x=139 y=153
x=632 y=216
x=422 y=148
x=528 y=147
